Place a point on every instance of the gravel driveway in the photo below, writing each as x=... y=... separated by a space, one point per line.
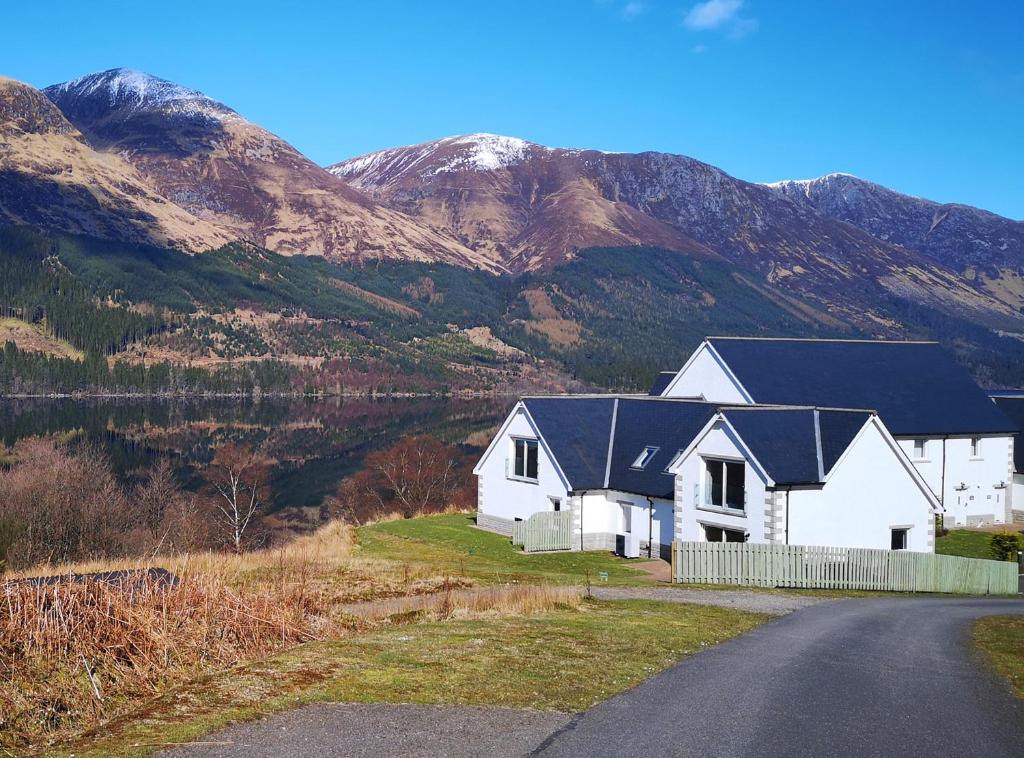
x=740 y=600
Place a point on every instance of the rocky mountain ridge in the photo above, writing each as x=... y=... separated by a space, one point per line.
x=216 y=165
x=536 y=206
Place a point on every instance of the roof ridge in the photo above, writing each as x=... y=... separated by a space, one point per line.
x=614 y=396
x=817 y=444
x=786 y=407
x=611 y=443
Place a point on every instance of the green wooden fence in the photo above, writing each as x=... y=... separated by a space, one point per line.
x=547 y=530
x=838 y=568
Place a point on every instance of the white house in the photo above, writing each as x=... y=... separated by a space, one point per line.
x=664 y=469
x=956 y=437
x=1012 y=404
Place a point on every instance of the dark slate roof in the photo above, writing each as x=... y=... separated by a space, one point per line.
x=661 y=382
x=785 y=442
x=1013 y=407
x=669 y=426
x=577 y=431
x=916 y=387
x=838 y=428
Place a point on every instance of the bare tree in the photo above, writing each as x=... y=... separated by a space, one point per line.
x=237 y=479
x=415 y=476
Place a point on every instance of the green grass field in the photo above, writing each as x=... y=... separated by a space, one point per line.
x=451 y=543
x=964 y=542
x=1001 y=639
x=567 y=660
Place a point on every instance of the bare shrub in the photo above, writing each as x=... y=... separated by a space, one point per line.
x=416 y=476
x=65 y=505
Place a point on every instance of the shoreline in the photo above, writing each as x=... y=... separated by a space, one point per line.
x=459 y=394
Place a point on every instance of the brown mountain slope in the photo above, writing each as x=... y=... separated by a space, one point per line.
x=50 y=177
x=535 y=205
x=228 y=171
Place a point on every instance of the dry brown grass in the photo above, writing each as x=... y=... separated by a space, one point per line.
x=73 y=655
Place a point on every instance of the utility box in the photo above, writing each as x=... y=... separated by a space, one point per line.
x=627 y=545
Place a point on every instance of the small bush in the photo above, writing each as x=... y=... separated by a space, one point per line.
x=1004 y=546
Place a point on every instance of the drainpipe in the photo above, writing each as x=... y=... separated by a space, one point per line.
x=942 y=486
x=650 y=525
x=788 y=490
x=581 y=494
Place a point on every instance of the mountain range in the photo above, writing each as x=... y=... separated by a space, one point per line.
x=127 y=157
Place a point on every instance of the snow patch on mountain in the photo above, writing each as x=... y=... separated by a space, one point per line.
x=487 y=152
x=809 y=182
x=126 y=88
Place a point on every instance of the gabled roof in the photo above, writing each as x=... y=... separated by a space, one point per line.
x=667 y=425
x=916 y=387
x=661 y=382
x=577 y=432
x=596 y=440
x=1013 y=406
x=796 y=445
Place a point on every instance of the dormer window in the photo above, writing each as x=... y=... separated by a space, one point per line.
x=644 y=458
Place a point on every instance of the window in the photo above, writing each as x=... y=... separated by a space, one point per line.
x=920 y=447
x=556 y=503
x=644 y=458
x=720 y=534
x=975 y=447
x=525 y=463
x=723 y=483
x=626 y=518
x=899 y=539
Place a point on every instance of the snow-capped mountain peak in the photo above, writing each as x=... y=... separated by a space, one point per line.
x=815 y=180
x=463 y=152
x=488 y=152
x=131 y=90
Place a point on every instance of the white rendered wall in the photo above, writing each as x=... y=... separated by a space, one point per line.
x=607 y=515
x=499 y=495
x=868 y=494
x=1018 y=492
x=704 y=376
x=691 y=512
x=970 y=490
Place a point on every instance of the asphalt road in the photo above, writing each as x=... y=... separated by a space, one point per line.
x=854 y=678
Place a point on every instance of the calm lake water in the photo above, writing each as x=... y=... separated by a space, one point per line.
x=313 y=443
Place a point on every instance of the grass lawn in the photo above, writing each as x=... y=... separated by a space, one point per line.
x=1001 y=638
x=567 y=659
x=965 y=542
x=451 y=543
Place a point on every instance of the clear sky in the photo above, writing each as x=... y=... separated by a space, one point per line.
x=926 y=97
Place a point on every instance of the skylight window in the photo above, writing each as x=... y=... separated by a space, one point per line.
x=644 y=458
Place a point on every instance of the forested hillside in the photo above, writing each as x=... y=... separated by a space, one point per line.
x=241 y=319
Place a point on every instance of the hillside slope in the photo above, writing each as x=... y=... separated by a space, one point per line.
x=536 y=207
x=222 y=168
x=50 y=177
x=981 y=245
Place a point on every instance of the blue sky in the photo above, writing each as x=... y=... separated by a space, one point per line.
x=924 y=97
